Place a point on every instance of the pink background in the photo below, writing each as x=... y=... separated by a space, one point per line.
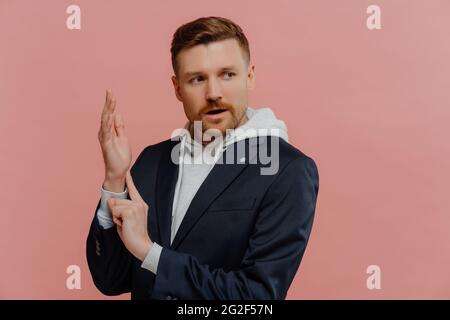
x=371 y=107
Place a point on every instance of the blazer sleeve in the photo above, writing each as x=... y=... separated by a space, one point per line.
x=276 y=247
x=108 y=259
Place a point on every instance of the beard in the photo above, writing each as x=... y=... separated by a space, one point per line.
x=230 y=118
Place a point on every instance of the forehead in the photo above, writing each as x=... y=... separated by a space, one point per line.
x=211 y=56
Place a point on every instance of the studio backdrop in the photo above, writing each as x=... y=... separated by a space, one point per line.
x=363 y=87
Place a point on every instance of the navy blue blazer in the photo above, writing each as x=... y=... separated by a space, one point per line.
x=243 y=236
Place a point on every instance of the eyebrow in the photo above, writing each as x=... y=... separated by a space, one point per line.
x=194 y=73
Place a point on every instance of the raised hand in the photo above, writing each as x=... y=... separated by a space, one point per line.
x=116 y=148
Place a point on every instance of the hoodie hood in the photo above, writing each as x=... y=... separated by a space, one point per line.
x=261 y=122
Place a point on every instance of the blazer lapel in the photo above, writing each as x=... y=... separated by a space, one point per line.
x=165 y=189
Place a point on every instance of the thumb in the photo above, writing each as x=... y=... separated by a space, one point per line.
x=134 y=193
x=110 y=202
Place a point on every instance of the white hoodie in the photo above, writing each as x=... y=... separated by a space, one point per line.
x=192 y=171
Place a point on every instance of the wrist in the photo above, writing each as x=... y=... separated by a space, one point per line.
x=145 y=249
x=114 y=185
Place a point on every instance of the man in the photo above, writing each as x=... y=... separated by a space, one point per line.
x=177 y=226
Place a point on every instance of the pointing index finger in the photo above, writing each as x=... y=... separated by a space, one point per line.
x=134 y=193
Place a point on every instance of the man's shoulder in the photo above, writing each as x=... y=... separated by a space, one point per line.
x=296 y=165
x=289 y=153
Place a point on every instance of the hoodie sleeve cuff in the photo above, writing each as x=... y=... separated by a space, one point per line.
x=152 y=259
x=103 y=213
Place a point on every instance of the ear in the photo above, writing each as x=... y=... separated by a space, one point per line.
x=176 y=87
x=251 y=77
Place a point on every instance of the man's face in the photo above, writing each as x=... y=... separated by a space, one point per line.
x=211 y=78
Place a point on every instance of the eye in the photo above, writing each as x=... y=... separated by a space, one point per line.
x=193 y=80
x=229 y=74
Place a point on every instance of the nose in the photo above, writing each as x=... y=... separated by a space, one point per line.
x=213 y=91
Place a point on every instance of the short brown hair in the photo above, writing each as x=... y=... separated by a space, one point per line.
x=203 y=31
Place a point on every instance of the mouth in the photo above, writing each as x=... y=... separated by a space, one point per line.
x=215 y=111
x=215 y=114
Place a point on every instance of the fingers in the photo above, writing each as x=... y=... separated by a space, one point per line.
x=119 y=202
x=108 y=106
x=119 y=209
x=117 y=221
x=107 y=129
x=110 y=114
x=119 y=125
x=114 y=202
x=134 y=193
x=119 y=213
x=107 y=101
